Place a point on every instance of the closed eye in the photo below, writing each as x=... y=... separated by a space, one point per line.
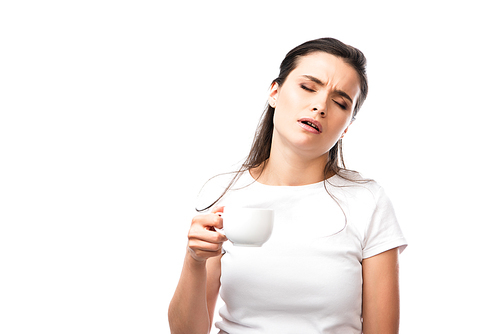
x=304 y=87
x=341 y=105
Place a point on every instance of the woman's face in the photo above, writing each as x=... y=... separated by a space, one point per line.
x=315 y=104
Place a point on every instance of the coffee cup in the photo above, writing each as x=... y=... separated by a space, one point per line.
x=247 y=226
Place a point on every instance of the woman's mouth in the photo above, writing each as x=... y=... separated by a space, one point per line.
x=310 y=125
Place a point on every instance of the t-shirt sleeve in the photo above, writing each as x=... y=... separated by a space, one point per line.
x=383 y=231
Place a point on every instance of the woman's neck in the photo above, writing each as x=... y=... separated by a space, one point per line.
x=282 y=169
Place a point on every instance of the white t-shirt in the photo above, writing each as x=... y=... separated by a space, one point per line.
x=307 y=278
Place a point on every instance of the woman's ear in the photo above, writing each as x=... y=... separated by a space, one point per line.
x=345 y=131
x=273 y=95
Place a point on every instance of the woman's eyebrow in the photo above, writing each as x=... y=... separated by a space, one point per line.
x=321 y=83
x=344 y=94
x=314 y=79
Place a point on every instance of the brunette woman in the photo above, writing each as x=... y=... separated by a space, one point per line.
x=331 y=264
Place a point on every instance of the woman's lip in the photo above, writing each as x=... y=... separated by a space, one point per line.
x=309 y=128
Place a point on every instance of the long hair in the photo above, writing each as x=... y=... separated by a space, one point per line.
x=261 y=146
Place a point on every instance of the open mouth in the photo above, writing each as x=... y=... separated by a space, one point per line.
x=310 y=125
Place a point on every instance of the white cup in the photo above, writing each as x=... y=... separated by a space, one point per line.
x=248 y=226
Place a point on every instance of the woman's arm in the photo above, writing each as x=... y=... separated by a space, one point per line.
x=192 y=307
x=381 y=293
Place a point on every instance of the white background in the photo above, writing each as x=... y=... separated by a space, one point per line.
x=114 y=113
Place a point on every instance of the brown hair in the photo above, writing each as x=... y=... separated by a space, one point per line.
x=261 y=146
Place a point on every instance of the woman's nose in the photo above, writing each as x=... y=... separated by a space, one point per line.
x=316 y=110
x=320 y=104
x=320 y=109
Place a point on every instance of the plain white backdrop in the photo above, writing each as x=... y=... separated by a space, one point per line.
x=114 y=114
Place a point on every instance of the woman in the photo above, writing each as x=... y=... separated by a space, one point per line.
x=331 y=265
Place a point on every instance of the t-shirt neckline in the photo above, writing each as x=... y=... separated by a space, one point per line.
x=319 y=184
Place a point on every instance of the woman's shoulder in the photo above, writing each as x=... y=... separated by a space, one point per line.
x=211 y=190
x=355 y=184
x=214 y=188
x=347 y=177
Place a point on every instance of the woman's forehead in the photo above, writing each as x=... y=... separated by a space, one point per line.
x=329 y=69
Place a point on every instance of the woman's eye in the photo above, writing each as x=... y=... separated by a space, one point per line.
x=341 y=105
x=304 y=87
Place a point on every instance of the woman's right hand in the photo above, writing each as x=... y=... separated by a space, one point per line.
x=204 y=241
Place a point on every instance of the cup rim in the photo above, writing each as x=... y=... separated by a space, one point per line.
x=244 y=208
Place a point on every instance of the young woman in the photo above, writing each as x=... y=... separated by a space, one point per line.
x=331 y=264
